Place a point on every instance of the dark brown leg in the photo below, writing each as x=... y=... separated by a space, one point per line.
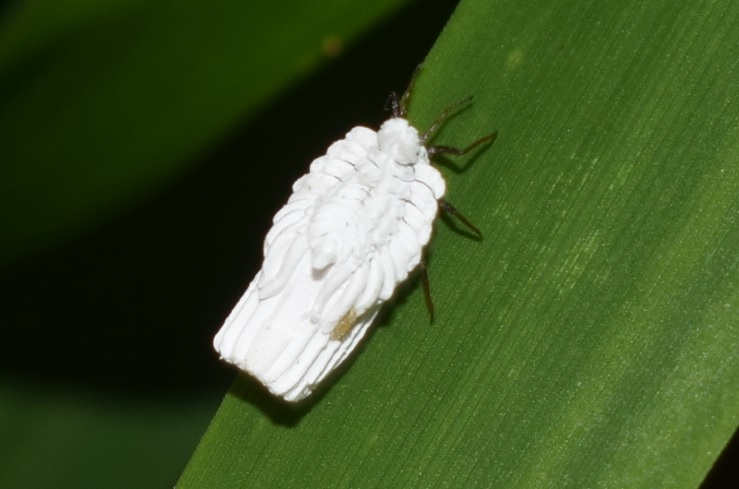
x=439 y=149
x=427 y=290
x=447 y=207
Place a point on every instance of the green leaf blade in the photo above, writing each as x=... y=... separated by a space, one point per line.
x=589 y=340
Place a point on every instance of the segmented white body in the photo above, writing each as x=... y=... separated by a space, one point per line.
x=353 y=229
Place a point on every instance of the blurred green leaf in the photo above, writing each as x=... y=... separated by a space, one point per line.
x=104 y=101
x=590 y=339
x=60 y=436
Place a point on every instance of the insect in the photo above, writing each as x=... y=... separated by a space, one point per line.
x=353 y=229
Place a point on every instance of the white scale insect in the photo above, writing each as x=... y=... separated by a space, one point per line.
x=351 y=232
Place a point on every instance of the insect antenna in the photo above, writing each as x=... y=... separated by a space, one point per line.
x=401 y=109
x=394 y=105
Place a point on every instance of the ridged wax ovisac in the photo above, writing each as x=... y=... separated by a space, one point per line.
x=353 y=229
